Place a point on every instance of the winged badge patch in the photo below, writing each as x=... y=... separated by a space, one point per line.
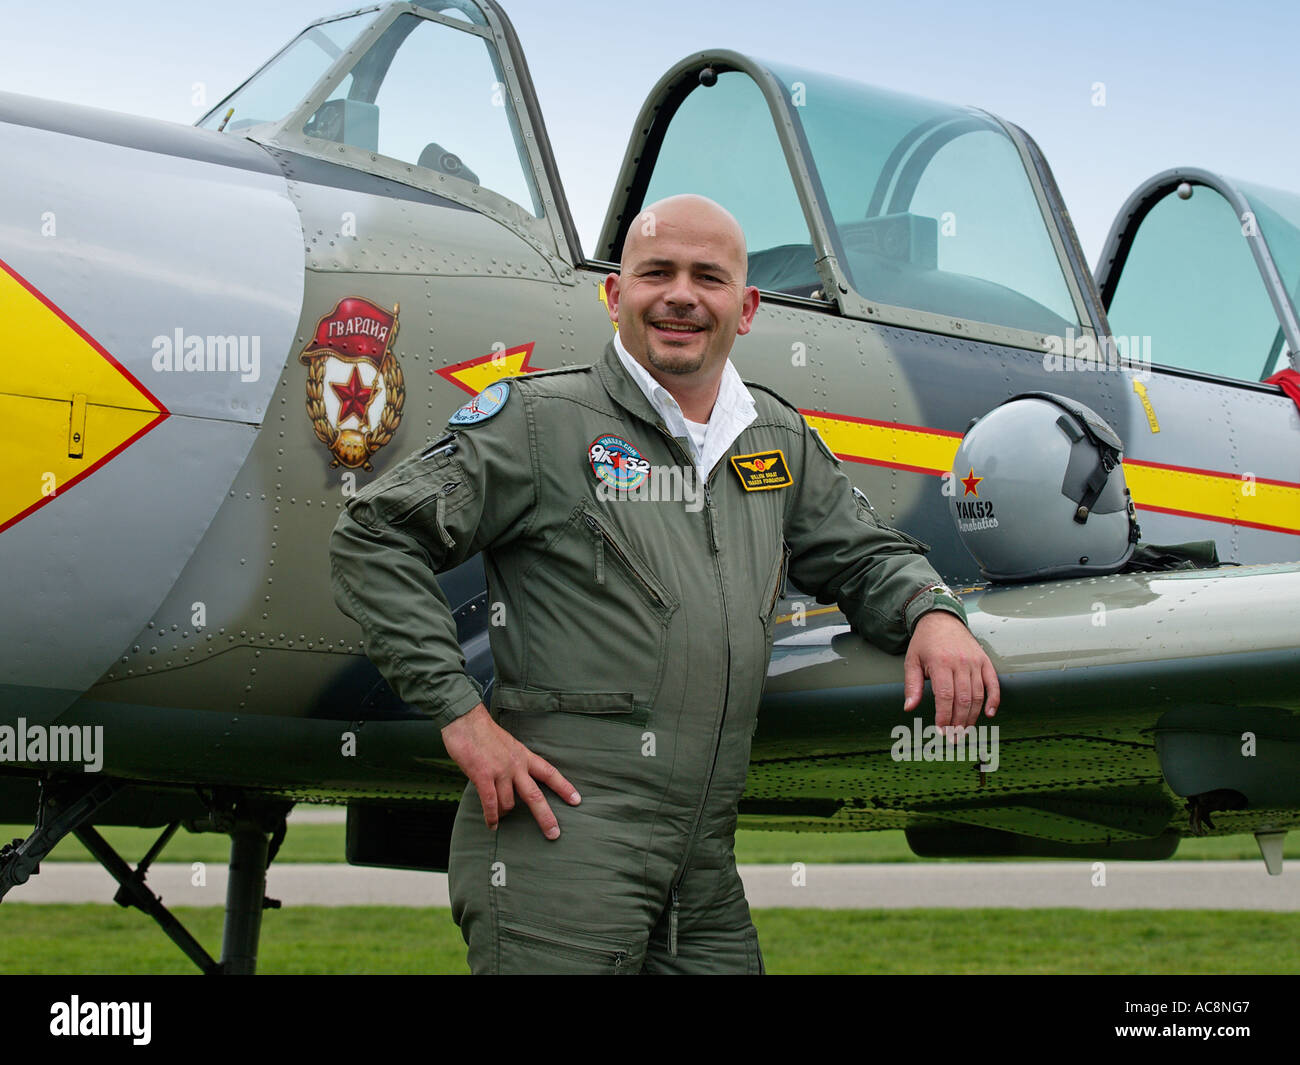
x=762 y=470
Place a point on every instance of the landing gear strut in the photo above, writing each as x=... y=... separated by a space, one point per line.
x=256 y=829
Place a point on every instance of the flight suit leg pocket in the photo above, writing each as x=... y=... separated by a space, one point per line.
x=527 y=947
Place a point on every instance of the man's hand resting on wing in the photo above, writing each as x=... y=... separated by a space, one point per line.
x=961 y=675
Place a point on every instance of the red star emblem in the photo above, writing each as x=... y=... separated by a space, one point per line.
x=970 y=481
x=354 y=397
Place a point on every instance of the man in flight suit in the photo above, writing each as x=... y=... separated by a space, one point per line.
x=638 y=518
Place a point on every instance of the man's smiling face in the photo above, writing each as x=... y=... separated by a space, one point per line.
x=681 y=299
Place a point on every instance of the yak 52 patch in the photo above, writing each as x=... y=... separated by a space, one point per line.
x=482 y=406
x=762 y=470
x=355 y=388
x=617 y=463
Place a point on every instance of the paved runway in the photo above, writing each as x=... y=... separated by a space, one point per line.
x=1233 y=885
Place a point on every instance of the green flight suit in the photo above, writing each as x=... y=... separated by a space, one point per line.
x=631 y=652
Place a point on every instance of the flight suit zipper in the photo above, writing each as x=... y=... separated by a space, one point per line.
x=726 y=693
x=602 y=538
x=616 y=957
x=672 y=925
x=440 y=515
x=781 y=571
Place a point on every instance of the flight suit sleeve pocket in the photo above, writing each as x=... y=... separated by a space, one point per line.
x=404 y=489
x=445 y=484
x=921 y=547
x=421 y=496
x=867 y=513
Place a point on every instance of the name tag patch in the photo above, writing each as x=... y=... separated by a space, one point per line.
x=762 y=470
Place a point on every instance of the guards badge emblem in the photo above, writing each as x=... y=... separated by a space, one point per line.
x=355 y=388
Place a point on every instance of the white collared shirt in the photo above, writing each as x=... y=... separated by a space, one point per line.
x=733 y=412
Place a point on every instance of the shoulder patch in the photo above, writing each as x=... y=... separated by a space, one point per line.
x=483 y=406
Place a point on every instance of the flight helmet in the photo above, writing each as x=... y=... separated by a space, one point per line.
x=1039 y=491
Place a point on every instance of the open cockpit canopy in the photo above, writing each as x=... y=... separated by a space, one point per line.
x=894 y=207
x=433 y=94
x=1207 y=267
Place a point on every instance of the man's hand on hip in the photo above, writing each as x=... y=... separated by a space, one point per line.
x=961 y=675
x=498 y=766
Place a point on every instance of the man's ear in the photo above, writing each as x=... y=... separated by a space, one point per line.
x=748 y=308
x=611 y=297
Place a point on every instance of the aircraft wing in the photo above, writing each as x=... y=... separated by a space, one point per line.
x=1136 y=707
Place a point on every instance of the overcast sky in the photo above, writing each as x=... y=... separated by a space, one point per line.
x=1186 y=83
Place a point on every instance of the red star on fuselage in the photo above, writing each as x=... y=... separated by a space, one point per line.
x=354 y=397
x=970 y=481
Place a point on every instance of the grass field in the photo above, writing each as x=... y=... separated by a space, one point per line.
x=105 y=939
x=324 y=843
x=95 y=940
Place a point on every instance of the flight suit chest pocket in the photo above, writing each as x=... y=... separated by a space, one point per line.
x=610 y=549
x=599 y=617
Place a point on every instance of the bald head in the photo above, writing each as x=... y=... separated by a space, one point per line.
x=704 y=220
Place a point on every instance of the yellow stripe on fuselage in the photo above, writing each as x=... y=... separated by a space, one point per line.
x=885 y=444
x=1217 y=496
x=1205 y=494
